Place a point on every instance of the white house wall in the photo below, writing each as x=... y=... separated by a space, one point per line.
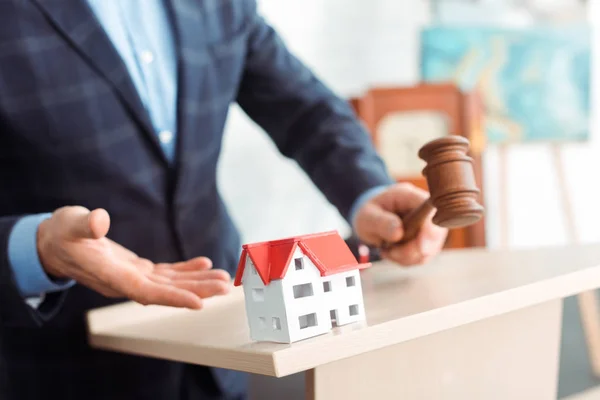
x=272 y=306
x=342 y=297
x=297 y=307
x=277 y=300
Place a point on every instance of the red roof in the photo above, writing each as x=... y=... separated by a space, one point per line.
x=327 y=250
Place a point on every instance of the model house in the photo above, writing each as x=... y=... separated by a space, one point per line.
x=300 y=287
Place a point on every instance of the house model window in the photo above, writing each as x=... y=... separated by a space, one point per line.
x=276 y=324
x=258 y=294
x=284 y=306
x=308 y=320
x=303 y=290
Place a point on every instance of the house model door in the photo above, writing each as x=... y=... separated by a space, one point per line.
x=334 y=317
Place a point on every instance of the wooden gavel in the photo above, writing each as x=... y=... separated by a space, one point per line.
x=453 y=190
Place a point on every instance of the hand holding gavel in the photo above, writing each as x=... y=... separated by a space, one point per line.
x=451 y=181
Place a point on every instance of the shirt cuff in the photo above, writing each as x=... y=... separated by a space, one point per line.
x=30 y=277
x=362 y=199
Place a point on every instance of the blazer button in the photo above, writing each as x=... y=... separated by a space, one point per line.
x=165 y=137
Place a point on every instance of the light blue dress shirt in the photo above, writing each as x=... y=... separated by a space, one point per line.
x=141 y=32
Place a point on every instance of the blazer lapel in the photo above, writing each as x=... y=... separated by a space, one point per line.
x=78 y=24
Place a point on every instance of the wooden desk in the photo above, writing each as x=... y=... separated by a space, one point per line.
x=474 y=324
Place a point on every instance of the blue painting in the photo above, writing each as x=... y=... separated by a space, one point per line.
x=534 y=83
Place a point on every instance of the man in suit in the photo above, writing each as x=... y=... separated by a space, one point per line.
x=111 y=118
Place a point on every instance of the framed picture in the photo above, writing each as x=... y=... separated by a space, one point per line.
x=534 y=82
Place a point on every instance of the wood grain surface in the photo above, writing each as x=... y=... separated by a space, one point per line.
x=458 y=288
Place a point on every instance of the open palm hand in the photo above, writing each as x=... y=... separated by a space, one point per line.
x=72 y=244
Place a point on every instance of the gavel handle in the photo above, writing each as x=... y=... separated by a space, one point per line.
x=413 y=221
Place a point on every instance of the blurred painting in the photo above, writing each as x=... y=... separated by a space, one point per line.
x=534 y=82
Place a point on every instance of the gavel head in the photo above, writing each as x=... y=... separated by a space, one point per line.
x=451 y=180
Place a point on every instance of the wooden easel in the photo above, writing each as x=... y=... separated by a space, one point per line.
x=588 y=301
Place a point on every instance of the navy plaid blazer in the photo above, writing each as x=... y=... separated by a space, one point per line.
x=74 y=131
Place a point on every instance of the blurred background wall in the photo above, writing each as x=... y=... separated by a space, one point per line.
x=354 y=45
x=350 y=45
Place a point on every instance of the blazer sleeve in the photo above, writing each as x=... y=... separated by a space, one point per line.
x=306 y=120
x=14 y=309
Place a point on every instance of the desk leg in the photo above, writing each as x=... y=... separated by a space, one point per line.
x=510 y=356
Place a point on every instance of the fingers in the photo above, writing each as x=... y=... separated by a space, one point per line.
x=406 y=255
x=403 y=197
x=83 y=224
x=432 y=239
x=378 y=225
x=204 y=288
x=201 y=283
x=216 y=274
x=378 y=222
x=422 y=249
x=166 y=295
x=99 y=223
x=118 y=272
x=137 y=287
x=195 y=264
x=157 y=290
